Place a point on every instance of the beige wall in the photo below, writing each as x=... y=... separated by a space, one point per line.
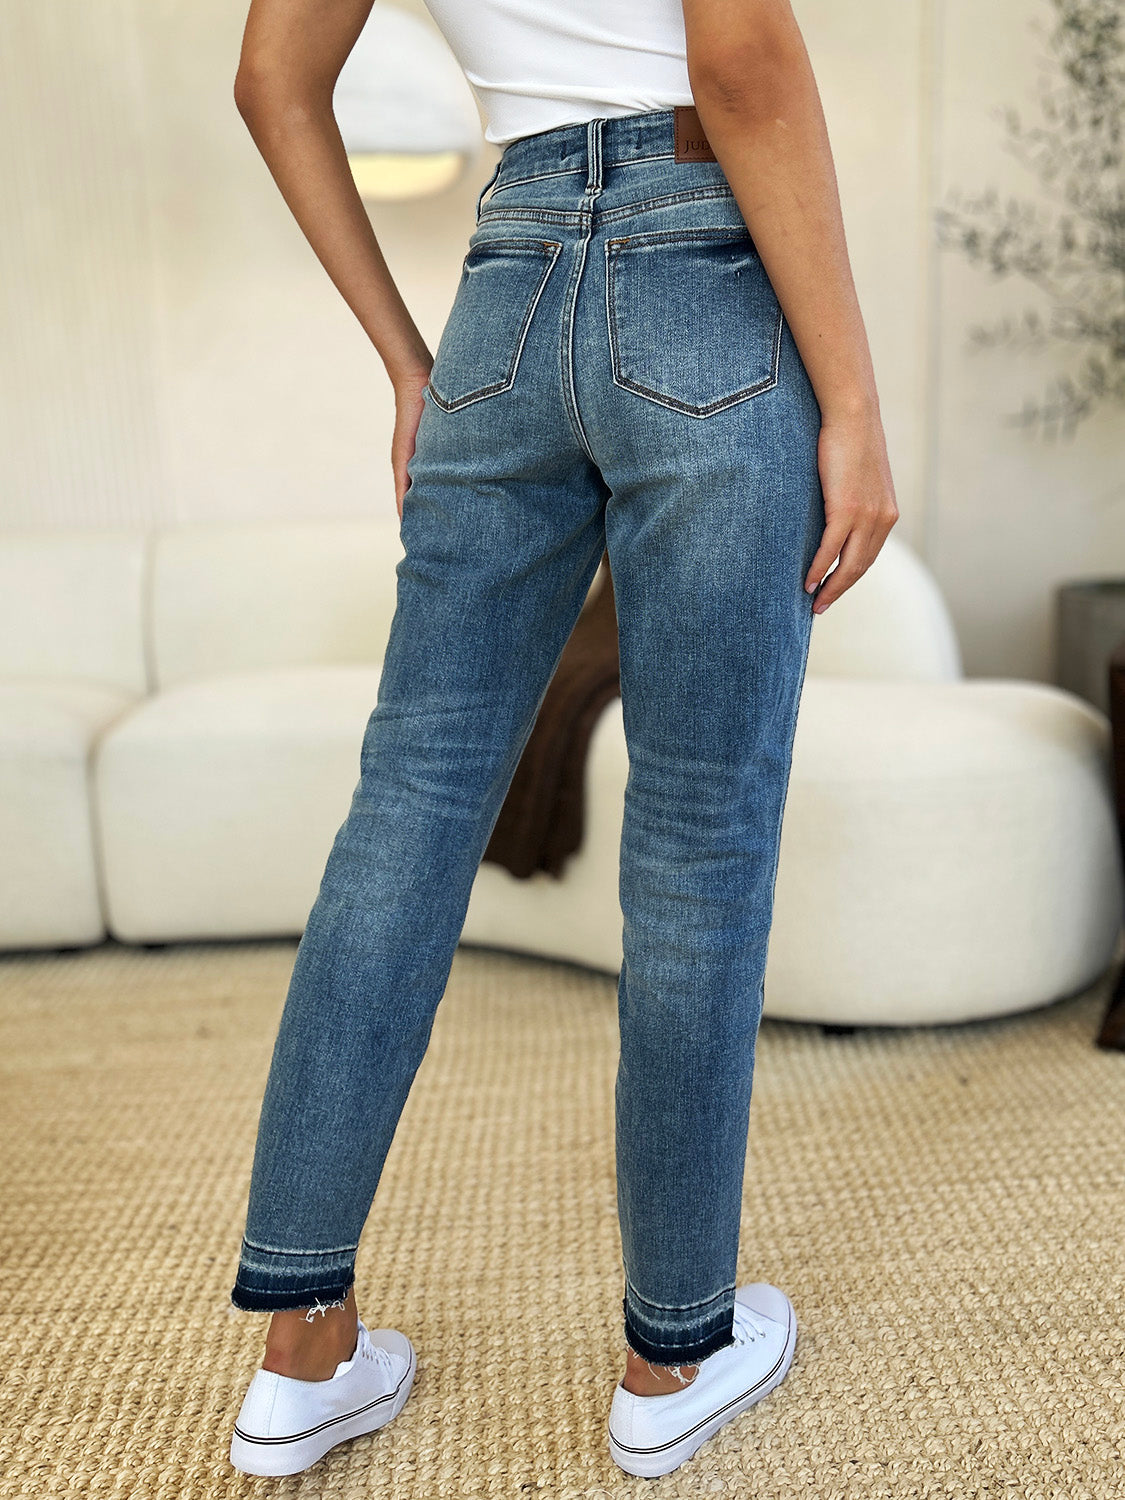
x=176 y=352
x=173 y=350
x=1009 y=515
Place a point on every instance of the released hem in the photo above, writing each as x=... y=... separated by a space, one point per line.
x=662 y=1343
x=275 y=1280
x=282 y=1298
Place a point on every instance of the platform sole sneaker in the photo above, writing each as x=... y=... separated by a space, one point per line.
x=652 y=1435
x=286 y=1425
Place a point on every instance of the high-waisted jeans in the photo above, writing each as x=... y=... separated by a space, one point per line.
x=615 y=374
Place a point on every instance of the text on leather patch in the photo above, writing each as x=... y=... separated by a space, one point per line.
x=691 y=144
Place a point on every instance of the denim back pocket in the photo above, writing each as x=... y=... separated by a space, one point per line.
x=480 y=346
x=694 y=322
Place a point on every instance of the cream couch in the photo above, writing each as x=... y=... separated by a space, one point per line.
x=180 y=721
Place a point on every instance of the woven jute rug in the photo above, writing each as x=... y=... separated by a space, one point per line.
x=945 y=1206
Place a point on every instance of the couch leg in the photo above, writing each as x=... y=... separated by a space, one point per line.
x=1112 y=1034
x=831 y=1030
x=153 y=947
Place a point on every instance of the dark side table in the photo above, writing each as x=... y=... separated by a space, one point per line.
x=1112 y=1033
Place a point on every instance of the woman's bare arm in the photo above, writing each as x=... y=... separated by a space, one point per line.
x=758 y=102
x=292 y=54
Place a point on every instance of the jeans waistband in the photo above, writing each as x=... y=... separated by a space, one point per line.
x=590 y=147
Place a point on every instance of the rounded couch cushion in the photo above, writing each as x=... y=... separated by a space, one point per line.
x=56 y=717
x=72 y=606
x=897 y=625
x=48 y=868
x=270 y=705
x=242 y=596
x=219 y=800
x=948 y=850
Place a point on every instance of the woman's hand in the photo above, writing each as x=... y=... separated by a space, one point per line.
x=859 y=503
x=760 y=109
x=408 y=413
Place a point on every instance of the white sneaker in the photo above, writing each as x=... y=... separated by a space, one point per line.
x=651 y=1435
x=285 y=1424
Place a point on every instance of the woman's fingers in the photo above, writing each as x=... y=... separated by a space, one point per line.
x=409 y=406
x=855 y=558
x=863 y=537
x=859 y=504
x=399 y=460
x=835 y=534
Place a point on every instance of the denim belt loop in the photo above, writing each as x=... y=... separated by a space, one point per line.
x=594 y=156
x=488 y=184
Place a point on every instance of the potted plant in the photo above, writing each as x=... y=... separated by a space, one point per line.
x=1074 y=253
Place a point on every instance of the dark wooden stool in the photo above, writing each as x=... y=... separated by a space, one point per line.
x=1112 y=1033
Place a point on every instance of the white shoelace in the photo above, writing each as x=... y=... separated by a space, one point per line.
x=747 y=1327
x=375 y=1353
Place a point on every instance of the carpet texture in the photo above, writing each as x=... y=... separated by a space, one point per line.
x=944 y=1206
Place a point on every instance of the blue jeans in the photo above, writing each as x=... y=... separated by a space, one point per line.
x=615 y=374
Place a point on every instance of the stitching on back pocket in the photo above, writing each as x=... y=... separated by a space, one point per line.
x=677 y=341
x=479 y=351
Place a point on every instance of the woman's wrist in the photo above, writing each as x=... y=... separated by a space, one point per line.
x=408 y=372
x=860 y=404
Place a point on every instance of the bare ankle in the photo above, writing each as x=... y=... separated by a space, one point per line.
x=642 y=1378
x=308 y=1343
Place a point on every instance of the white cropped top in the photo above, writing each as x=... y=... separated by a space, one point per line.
x=535 y=64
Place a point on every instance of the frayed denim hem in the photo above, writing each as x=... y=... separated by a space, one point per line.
x=279 y=1280
x=657 y=1339
x=282 y=1299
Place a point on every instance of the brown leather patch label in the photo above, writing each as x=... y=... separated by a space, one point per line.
x=691 y=143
